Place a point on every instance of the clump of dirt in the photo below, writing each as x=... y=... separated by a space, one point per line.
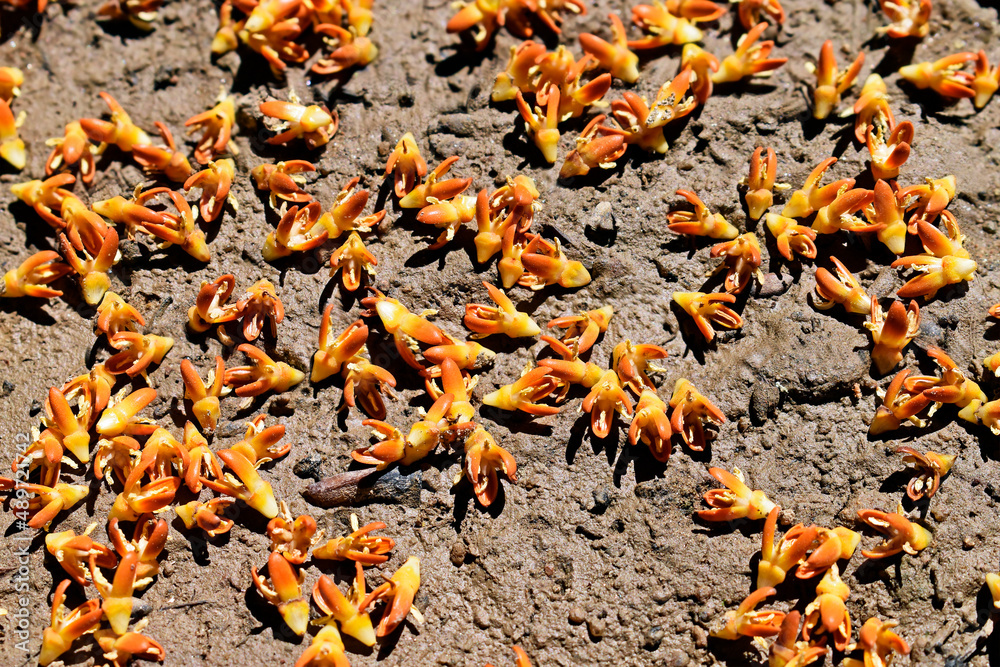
x=592 y=557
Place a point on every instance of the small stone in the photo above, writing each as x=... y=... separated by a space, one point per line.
x=596 y=627
x=577 y=615
x=36 y=407
x=930 y=330
x=167 y=569
x=700 y=636
x=774 y=286
x=309 y=466
x=6 y=389
x=652 y=638
x=140 y=608
x=764 y=400
x=230 y=429
x=481 y=618
x=602 y=499
x=602 y=227
x=968 y=543
x=458 y=552
x=949 y=320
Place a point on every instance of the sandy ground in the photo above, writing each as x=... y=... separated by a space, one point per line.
x=592 y=557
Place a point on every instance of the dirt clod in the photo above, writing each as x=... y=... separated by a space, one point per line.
x=596 y=627
x=602 y=227
x=764 y=400
x=458 y=552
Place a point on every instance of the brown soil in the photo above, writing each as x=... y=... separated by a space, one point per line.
x=592 y=531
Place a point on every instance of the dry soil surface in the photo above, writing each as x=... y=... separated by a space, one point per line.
x=592 y=557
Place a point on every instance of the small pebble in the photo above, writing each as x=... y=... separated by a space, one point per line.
x=596 y=627
x=764 y=401
x=602 y=498
x=774 y=286
x=577 y=615
x=652 y=639
x=140 y=608
x=309 y=466
x=230 y=429
x=458 y=552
